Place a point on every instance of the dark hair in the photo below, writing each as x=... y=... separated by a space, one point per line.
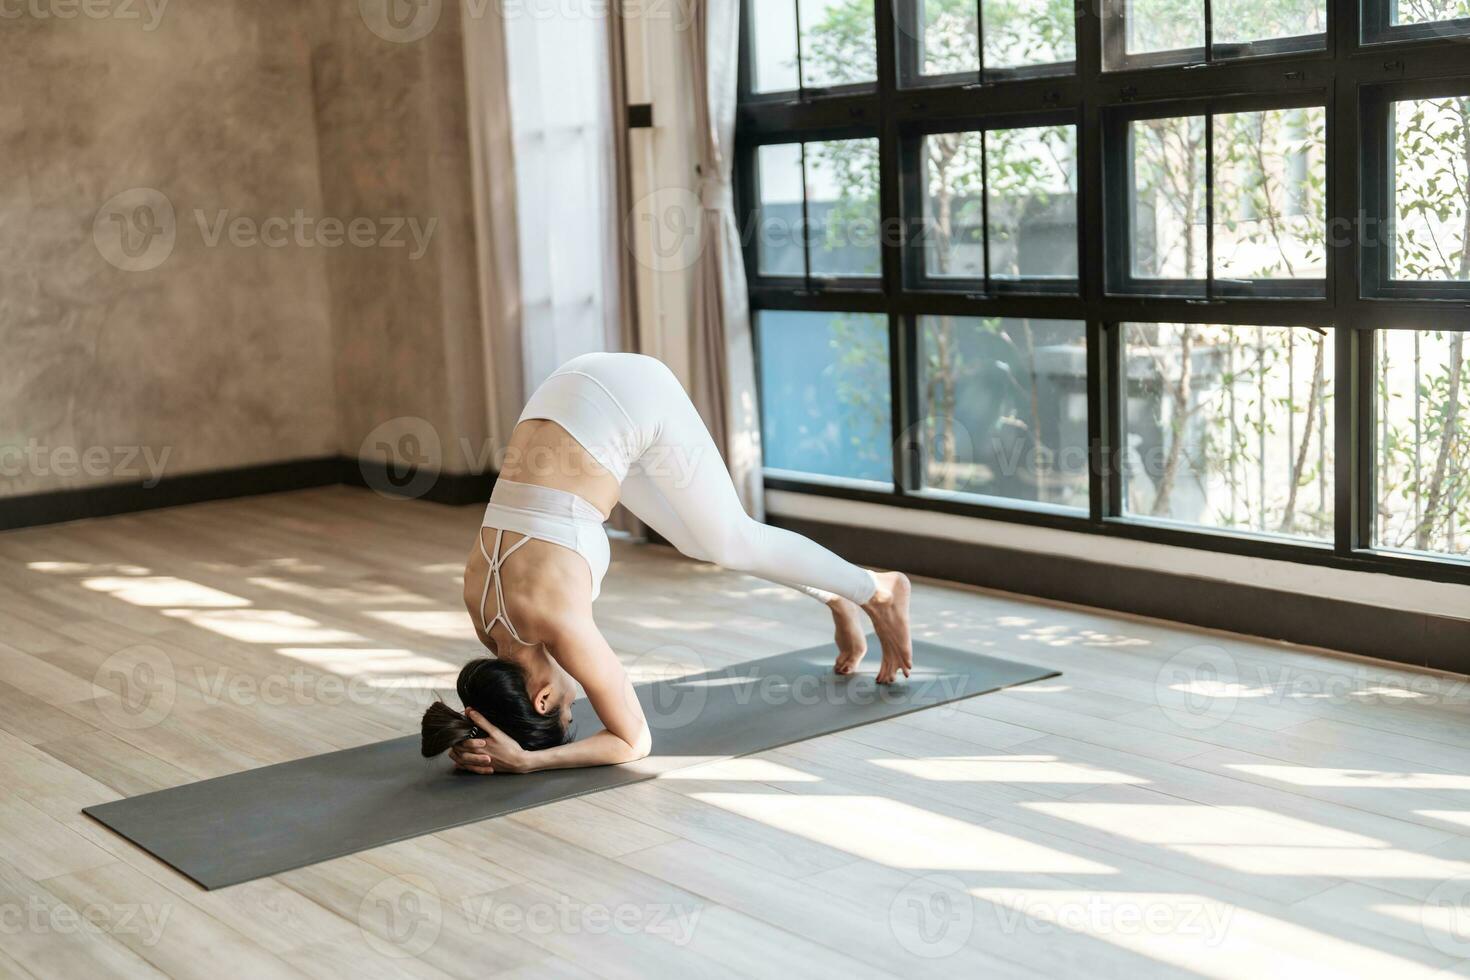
x=497 y=690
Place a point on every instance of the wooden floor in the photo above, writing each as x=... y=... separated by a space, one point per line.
x=1176 y=804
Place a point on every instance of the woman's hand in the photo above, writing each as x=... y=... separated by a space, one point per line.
x=495 y=752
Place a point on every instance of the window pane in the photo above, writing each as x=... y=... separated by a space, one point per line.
x=778 y=223
x=1430 y=189
x=1423 y=464
x=1031 y=178
x=1229 y=427
x=1163 y=25
x=773 y=46
x=954 y=210
x=947 y=35
x=1029 y=32
x=1239 y=22
x=1270 y=194
x=1427 y=11
x=842 y=206
x=1168 y=199
x=837 y=42
x=1003 y=407
x=1151 y=29
x=824 y=393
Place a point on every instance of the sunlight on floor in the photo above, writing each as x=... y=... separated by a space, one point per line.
x=164 y=590
x=1356 y=778
x=900 y=835
x=1196 y=933
x=396 y=665
x=448 y=624
x=1339 y=862
x=1004 y=769
x=1194 y=823
x=264 y=626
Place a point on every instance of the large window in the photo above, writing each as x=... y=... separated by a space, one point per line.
x=1012 y=260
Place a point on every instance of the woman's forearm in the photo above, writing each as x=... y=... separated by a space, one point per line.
x=602 y=749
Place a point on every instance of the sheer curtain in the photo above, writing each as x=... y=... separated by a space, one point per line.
x=548 y=117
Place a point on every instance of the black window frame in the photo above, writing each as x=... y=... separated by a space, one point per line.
x=1349 y=76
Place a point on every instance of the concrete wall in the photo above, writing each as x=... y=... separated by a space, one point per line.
x=181 y=284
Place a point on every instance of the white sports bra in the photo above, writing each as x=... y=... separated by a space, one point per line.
x=546 y=514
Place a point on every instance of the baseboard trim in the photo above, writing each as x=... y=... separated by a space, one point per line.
x=1414 y=638
x=59 y=506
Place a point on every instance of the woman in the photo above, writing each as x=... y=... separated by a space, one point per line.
x=606 y=428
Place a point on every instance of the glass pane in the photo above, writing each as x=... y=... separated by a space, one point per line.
x=947 y=36
x=1163 y=25
x=773 y=46
x=1028 y=32
x=837 y=42
x=1229 y=427
x=1423 y=464
x=1430 y=189
x=1239 y=22
x=1270 y=194
x=1240 y=28
x=1168 y=198
x=778 y=223
x=1428 y=11
x=1031 y=178
x=954 y=209
x=842 y=206
x=1003 y=404
x=824 y=393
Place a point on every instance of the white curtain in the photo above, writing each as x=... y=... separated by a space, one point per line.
x=724 y=357
x=566 y=195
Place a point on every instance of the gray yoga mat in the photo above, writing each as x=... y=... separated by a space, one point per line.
x=260 y=822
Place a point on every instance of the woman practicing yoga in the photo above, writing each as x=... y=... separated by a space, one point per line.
x=605 y=428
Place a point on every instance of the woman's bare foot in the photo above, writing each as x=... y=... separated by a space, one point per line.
x=852 y=639
x=889 y=611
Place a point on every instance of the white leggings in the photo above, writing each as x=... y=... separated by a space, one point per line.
x=632 y=415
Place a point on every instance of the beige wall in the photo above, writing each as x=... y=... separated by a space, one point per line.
x=232 y=352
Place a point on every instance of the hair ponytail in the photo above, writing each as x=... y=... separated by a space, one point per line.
x=443 y=727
